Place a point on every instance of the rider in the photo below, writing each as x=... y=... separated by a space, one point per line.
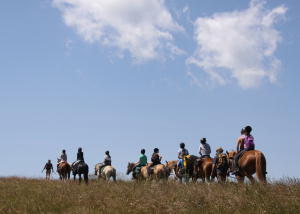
x=245 y=143
x=48 y=166
x=79 y=157
x=204 y=149
x=220 y=168
x=106 y=162
x=63 y=158
x=181 y=152
x=156 y=158
x=142 y=162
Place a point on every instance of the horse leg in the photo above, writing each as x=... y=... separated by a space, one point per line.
x=79 y=178
x=114 y=176
x=74 y=177
x=240 y=178
x=86 y=179
x=250 y=177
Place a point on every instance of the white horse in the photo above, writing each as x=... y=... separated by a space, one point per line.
x=109 y=171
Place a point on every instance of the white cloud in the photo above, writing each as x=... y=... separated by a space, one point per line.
x=79 y=72
x=185 y=9
x=68 y=42
x=142 y=27
x=238 y=45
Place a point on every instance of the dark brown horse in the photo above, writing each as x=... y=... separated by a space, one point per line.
x=251 y=162
x=64 y=170
x=202 y=169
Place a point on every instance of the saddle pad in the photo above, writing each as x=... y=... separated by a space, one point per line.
x=102 y=169
x=138 y=169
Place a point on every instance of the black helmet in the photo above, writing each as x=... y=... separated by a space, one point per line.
x=143 y=151
x=203 y=140
x=156 y=150
x=243 y=130
x=79 y=149
x=248 y=129
x=107 y=152
x=182 y=145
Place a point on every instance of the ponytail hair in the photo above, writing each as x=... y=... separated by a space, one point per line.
x=182 y=152
x=107 y=153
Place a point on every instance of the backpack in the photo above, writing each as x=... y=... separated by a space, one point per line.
x=223 y=162
x=249 y=142
x=48 y=166
x=155 y=158
x=187 y=161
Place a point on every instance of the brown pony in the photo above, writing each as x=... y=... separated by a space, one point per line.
x=251 y=162
x=64 y=170
x=203 y=169
x=140 y=176
x=159 y=172
x=170 y=168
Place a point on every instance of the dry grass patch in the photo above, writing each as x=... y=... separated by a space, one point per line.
x=21 y=195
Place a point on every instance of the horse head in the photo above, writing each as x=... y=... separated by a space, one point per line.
x=129 y=168
x=230 y=156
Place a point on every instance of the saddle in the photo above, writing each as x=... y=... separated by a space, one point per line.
x=151 y=169
x=138 y=169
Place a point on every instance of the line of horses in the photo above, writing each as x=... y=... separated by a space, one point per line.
x=81 y=168
x=250 y=163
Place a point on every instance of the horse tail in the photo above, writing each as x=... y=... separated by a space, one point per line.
x=115 y=175
x=260 y=166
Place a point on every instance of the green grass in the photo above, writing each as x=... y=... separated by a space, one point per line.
x=21 y=195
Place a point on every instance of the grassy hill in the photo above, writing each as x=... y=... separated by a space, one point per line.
x=22 y=195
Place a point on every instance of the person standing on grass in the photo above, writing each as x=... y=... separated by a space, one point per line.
x=220 y=164
x=142 y=162
x=48 y=168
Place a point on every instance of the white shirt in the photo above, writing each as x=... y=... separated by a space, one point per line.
x=204 y=149
x=107 y=158
x=63 y=157
x=185 y=150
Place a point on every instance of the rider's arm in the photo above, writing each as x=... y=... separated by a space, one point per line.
x=239 y=143
x=138 y=162
x=178 y=155
x=160 y=156
x=213 y=169
x=200 y=150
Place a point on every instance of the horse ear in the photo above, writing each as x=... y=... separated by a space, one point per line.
x=166 y=161
x=227 y=152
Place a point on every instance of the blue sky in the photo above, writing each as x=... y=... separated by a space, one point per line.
x=125 y=75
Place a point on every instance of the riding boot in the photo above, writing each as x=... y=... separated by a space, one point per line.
x=134 y=175
x=57 y=167
x=235 y=166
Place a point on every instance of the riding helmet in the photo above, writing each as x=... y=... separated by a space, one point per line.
x=182 y=145
x=203 y=140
